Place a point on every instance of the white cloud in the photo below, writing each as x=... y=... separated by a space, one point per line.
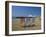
x=30 y=15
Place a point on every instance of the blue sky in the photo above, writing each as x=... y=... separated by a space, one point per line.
x=18 y=11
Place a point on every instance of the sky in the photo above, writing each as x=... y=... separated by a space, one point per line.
x=19 y=11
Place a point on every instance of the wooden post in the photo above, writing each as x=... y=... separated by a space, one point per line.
x=22 y=20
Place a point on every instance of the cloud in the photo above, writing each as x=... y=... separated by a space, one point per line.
x=30 y=15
